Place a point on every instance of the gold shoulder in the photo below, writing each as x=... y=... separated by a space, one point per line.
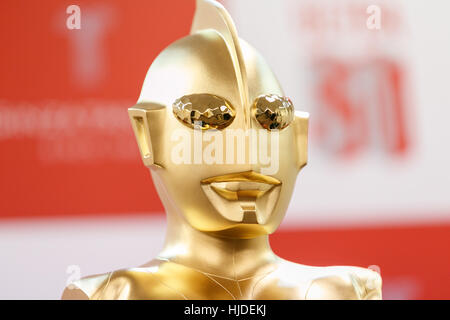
x=85 y=288
x=346 y=283
x=73 y=293
x=367 y=283
x=124 y=284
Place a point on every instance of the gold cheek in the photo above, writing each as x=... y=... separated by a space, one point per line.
x=205 y=110
x=273 y=111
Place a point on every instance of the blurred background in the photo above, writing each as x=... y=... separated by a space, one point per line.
x=75 y=198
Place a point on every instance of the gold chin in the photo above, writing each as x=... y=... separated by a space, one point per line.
x=219 y=216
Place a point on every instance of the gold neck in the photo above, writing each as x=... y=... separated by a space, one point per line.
x=208 y=253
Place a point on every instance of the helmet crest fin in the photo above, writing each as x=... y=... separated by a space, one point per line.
x=210 y=14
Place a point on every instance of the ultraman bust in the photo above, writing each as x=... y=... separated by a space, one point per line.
x=224 y=146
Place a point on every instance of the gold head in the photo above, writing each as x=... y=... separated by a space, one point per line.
x=224 y=147
x=220 y=81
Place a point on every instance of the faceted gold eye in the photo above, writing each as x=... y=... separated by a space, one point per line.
x=205 y=110
x=273 y=111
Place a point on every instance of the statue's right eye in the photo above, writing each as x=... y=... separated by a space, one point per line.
x=204 y=110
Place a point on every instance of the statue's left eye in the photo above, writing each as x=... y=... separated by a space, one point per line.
x=273 y=111
x=204 y=110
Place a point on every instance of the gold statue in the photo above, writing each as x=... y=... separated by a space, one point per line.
x=220 y=211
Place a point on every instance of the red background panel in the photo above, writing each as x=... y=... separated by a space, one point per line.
x=38 y=64
x=35 y=56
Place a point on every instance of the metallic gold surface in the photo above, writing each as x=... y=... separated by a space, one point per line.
x=245 y=197
x=205 y=110
x=273 y=111
x=219 y=215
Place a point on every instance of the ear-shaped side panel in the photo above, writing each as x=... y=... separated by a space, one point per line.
x=301 y=136
x=147 y=120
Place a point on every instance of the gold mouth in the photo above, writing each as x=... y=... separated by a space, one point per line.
x=246 y=197
x=247 y=176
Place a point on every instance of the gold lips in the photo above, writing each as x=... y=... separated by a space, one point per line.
x=246 y=197
x=247 y=176
x=241 y=185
